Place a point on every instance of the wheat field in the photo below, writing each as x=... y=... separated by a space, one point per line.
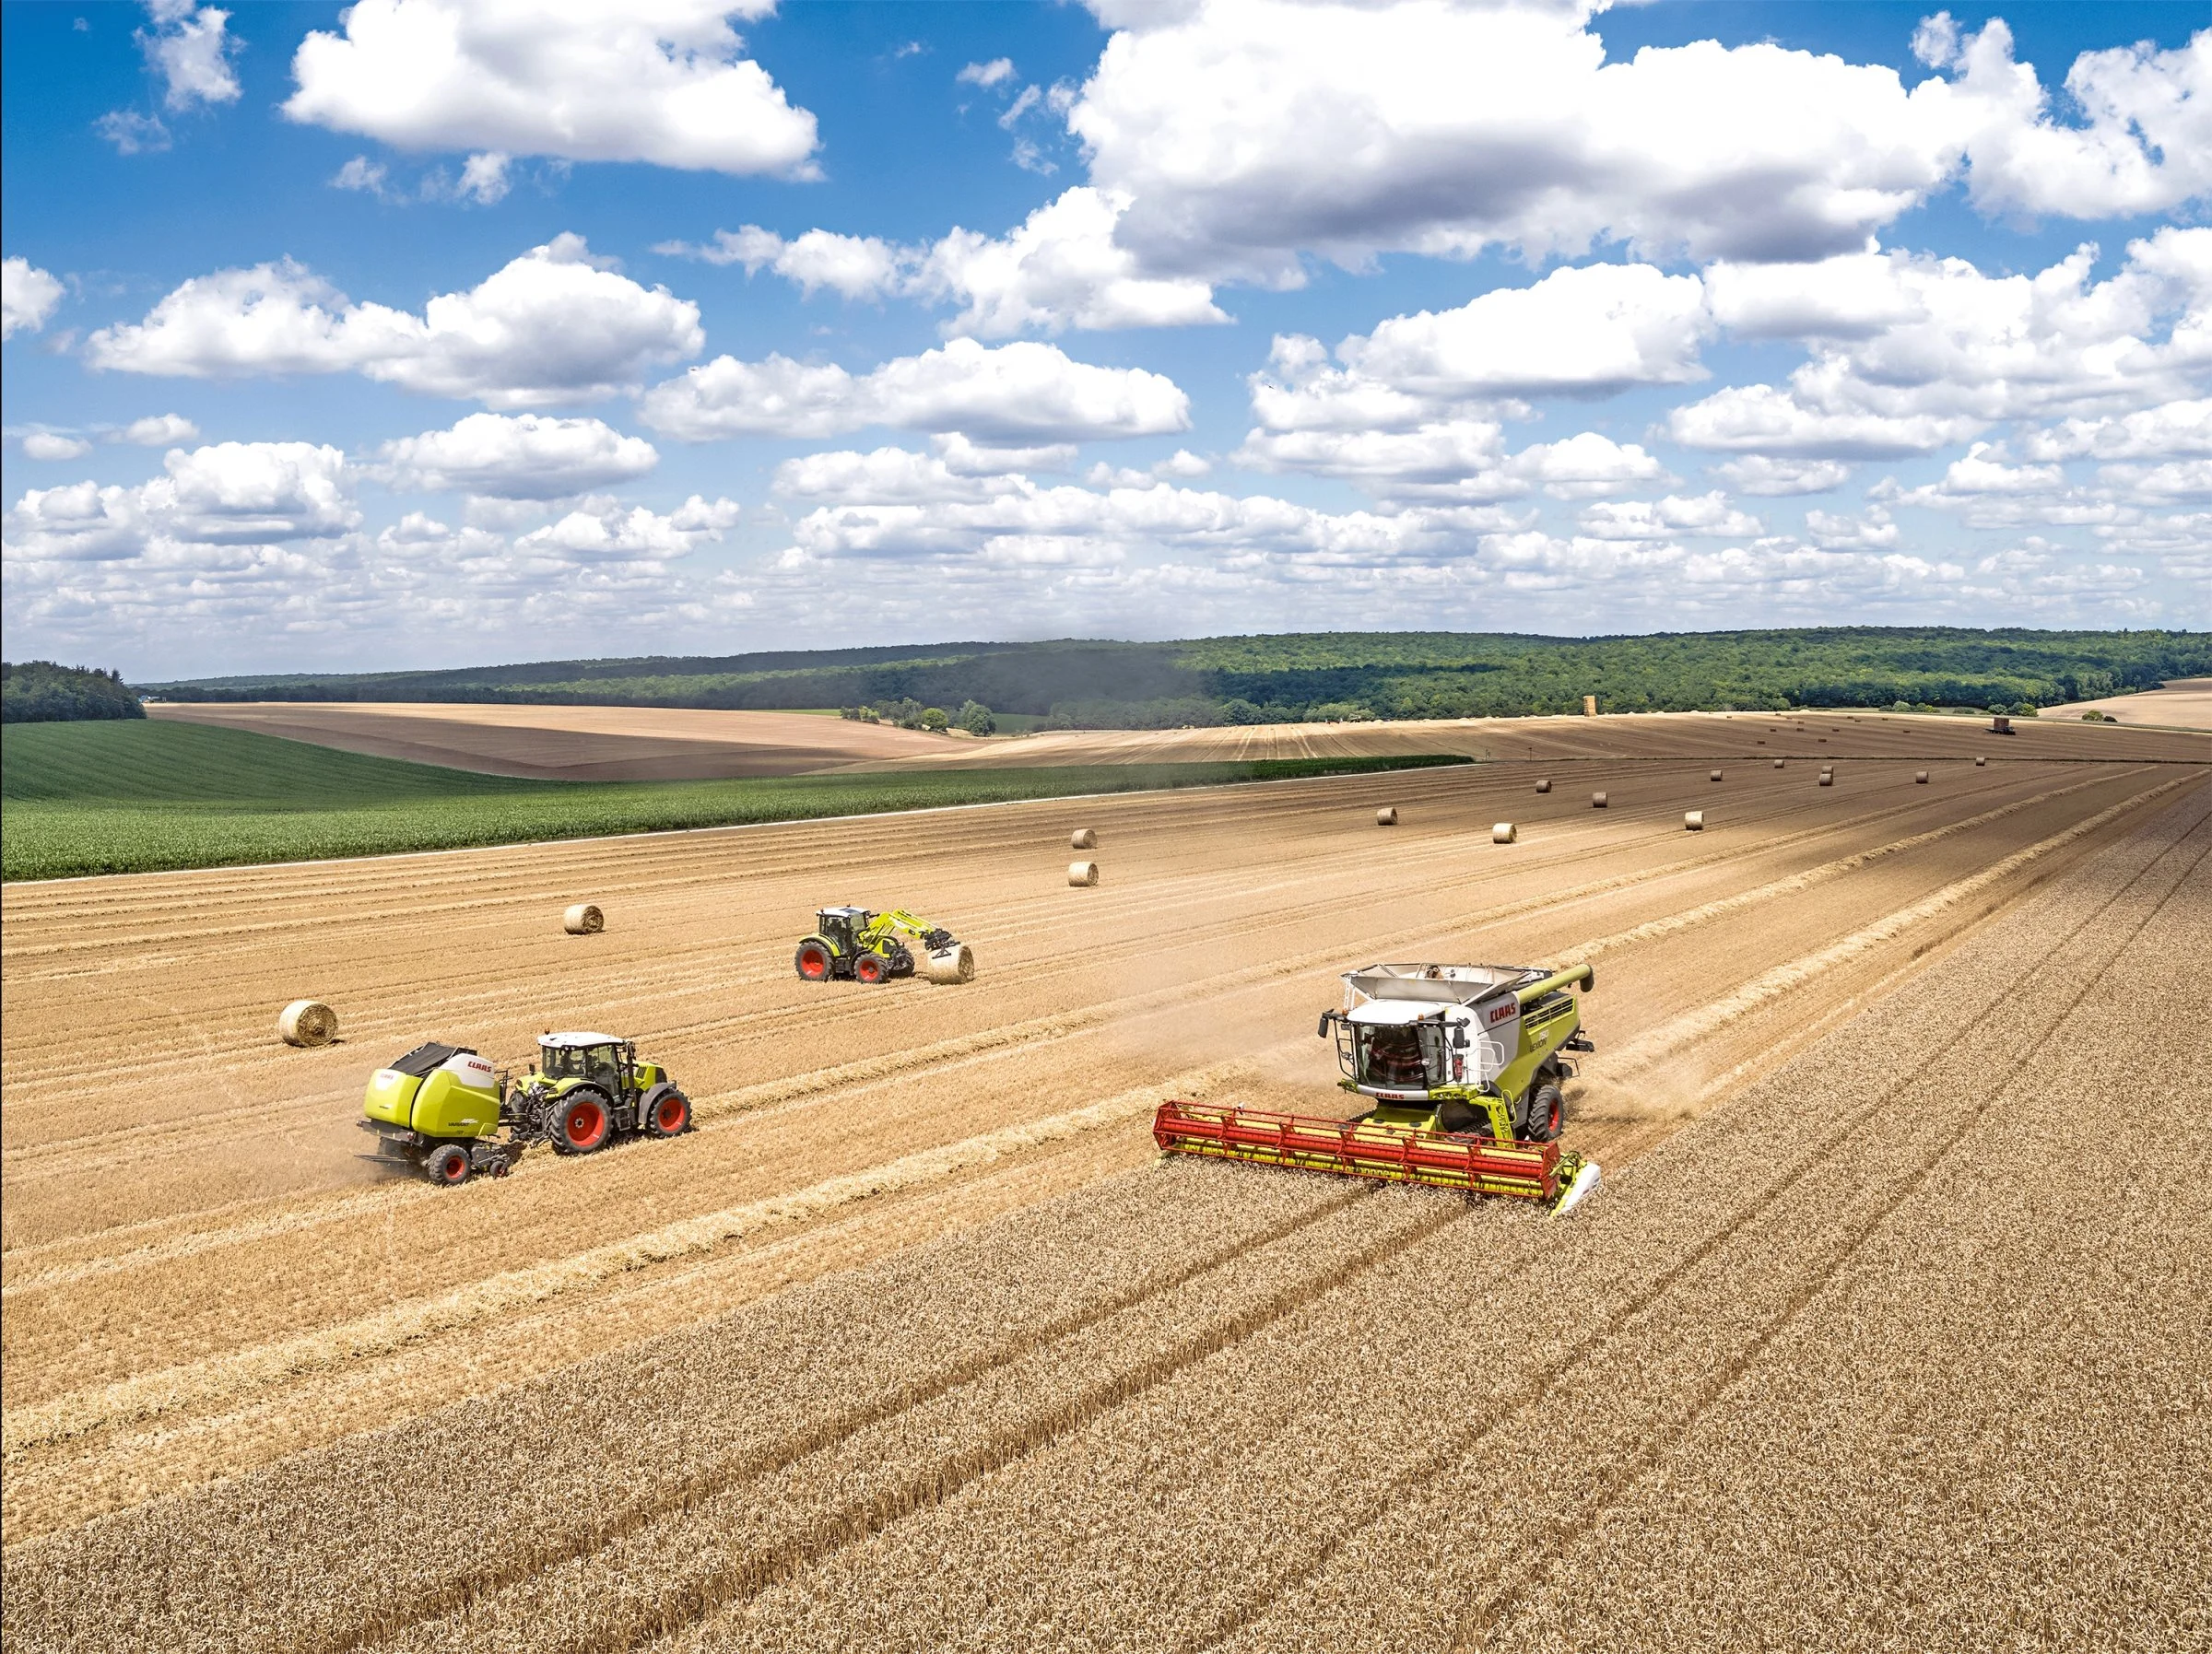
x=1890 y=1327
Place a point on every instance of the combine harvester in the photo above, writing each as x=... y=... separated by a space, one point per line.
x=1465 y=1064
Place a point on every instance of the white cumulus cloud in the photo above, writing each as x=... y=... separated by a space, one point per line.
x=28 y=297
x=228 y=494
x=1023 y=391
x=662 y=81
x=54 y=445
x=606 y=530
x=190 y=48
x=527 y=456
x=552 y=326
x=1926 y=352
x=156 y=431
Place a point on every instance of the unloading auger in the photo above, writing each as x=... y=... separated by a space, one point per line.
x=1466 y=1065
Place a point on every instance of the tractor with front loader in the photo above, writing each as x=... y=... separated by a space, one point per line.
x=859 y=945
x=1465 y=1066
x=443 y=1111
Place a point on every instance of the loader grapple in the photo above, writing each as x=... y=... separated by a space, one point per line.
x=1530 y=1171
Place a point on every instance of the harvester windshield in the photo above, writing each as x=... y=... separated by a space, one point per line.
x=1409 y=1057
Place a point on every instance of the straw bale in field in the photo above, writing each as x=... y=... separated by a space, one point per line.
x=307 y=1022
x=1693 y=821
x=1387 y=817
x=583 y=919
x=1082 y=873
x=1597 y=801
x=1503 y=832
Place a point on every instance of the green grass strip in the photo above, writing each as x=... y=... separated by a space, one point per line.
x=161 y=806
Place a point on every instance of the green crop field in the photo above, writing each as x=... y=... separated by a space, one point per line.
x=142 y=797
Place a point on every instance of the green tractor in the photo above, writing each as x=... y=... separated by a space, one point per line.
x=444 y=1111
x=859 y=945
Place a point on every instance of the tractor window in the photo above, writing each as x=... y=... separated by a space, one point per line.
x=1404 y=1057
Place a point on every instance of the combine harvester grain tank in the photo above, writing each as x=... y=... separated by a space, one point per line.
x=1465 y=1064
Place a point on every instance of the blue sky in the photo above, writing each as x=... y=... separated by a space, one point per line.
x=427 y=334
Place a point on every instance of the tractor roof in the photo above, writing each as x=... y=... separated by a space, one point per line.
x=849 y=913
x=568 y=1040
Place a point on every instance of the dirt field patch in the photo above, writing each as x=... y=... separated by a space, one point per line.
x=2186 y=703
x=572 y=744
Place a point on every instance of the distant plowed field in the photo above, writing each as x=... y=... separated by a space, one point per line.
x=1890 y=1327
x=679 y=743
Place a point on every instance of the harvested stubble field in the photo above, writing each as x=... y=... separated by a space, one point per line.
x=1893 y=1313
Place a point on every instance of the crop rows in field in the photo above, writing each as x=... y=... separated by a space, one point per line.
x=161 y=1331
x=1200 y=1405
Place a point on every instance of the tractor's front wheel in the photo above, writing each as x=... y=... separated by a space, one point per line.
x=668 y=1112
x=583 y=1121
x=871 y=968
x=447 y=1166
x=1546 y=1114
x=813 y=962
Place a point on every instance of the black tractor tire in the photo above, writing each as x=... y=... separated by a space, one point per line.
x=1546 y=1113
x=447 y=1166
x=871 y=968
x=582 y=1121
x=665 y=1111
x=814 y=962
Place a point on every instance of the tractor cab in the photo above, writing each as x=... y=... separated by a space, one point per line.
x=601 y=1059
x=839 y=928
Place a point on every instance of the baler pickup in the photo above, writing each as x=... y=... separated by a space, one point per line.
x=1530 y=1171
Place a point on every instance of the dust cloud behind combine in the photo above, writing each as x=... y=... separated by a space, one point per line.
x=931 y=1352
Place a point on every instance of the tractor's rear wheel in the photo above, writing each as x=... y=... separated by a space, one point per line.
x=1546 y=1114
x=583 y=1121
x=447 y=1166
x=668 y=1112
x=813 y=962
x=871 y=968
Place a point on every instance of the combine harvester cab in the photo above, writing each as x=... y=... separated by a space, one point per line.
x=1465 y=1064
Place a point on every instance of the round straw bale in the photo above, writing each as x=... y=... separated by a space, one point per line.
x=1544 y=785
x=1778 y=763
x=1693 y=821
x=1980 y=762
x=307 y=1022
x=1597 y=801
x=1717 y=775
x=583 y=919
x=1083 y=838
x=1826 y=780
x=1082 y=872
x=957 y=966
x=1503 y=832
x=1921 y=776
x=1387 y=815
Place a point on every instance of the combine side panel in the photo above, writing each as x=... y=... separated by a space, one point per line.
x=1528 y=1171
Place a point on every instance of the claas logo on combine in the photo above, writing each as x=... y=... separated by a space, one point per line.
x=1503 y=1012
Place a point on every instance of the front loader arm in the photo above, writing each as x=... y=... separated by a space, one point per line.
x=932 y=937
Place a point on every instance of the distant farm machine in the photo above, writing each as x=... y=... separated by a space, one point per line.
x=444 y=1111
x=861 y=946
x=1466 y=1065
